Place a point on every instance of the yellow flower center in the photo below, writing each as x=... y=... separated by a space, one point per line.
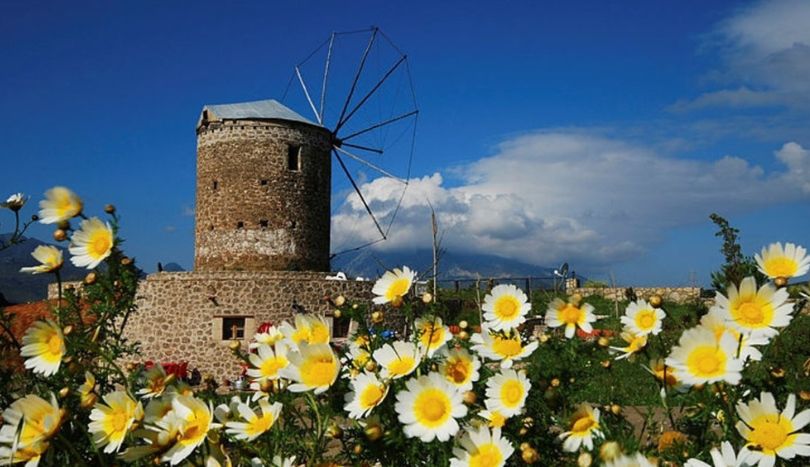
x=432 y=408
x=319 y=334
x=55 y=344
x=770 y=432
x=271 y=366
x=752 y=312
x=645 y=320
x=432 y=335
x=371 y=396
x=706 y=361
x=486 y=455
x=507 y=347
x=318 y=371
x=457 y=370
x=583 y=424
x=300 y=335
x=259 y=425
x=99 y=243
x=118 y=421
x=570 y=314
x=497 y=420
x=402 y=365
x=781 y=266
x=398 y=288
x=667 y=372
x=512 y=393
x=507 y=307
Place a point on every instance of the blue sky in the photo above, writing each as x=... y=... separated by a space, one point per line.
x=600 y=133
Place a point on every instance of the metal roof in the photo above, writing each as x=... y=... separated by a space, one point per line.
x=269 y=109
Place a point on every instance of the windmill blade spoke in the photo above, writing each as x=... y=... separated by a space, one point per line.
x=381 y=124
x=364 y=148
x=370 y=165
x=306 y=93
x=370 y=93
x=359 y=71
x=326 y=75
x=359 y=193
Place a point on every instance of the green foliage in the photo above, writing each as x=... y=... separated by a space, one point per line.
x=595 y=284
x=737 y=266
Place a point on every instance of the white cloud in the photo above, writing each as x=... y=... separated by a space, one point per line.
x=765 y=54
x=569 y=195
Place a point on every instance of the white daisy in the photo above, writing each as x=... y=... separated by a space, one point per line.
x=635 y=343
x=267 y=363
x=309 y=329
x=627 y=460
x=189 y=421
x=393 y=285
x=460 y=368
x=724 y=457
x=270 y=336
x=60 y=204
x=482 y=447
x=700 y=358
x=398 y=359
x=92 y=243
x=504 y=347
x=113 y=420
x=15 y=202
x=570 y=315
x=584 y=426
x=314 y=367
x=507 y=391
x=769 y=433
x=643 y=319
x=50 y=259
x=428 y=408
x=43 y=347
x=716 y=321
x=754 y=311
x=432 y=334
x=367 y=392
x=788 y=261
x=254 y=424
x=505 y=307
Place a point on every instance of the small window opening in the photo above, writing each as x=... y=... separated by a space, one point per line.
x=233 y=328
x=263 y=182
x=264 y=223
x=240 y=225
x=340 y=327
x=215 y=185
x=294 y=157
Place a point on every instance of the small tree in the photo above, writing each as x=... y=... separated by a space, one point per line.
x=737 y=265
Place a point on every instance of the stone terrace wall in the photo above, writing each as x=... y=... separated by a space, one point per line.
x=669 y=294
x=180 y=314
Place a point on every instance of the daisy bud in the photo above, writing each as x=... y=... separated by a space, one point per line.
x=340 y=300
x=606 y=363
x=603 y=342
x=67 y=330
x=397 y=301
x=609 y=451
x=126 y=261
x=529 y=455
x=334 y=431
x=354 y=306
x=109 y=209
x=584 y=460
x=524 y=446
x=357 y=449
x=544 y=338
x=528 y=422
x=470 y=397
x=131 y=366
x=463 y=324
x=463 y=335
x=656 y=301
x=59 y=235
x=68 y=359
x=234 y=345
x=780 y=282
x=337 y=314
x=804 y=395
x=90 y=278
x=778 y=372
x=88 y=401
x=64 y=392
x=616 y=409
x=555 y=383
x=523 y=431
x=377 y=317
x=371 y=365
x=34 y=218
x=373 y=432
x=427 y=297
x=266 y=385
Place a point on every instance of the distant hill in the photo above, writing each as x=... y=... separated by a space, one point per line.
x=371 y=264
x=16 y=287
x=173 y=267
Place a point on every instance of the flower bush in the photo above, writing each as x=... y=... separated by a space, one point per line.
x=498 y=391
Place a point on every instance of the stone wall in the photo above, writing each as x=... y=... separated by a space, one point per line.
x=180 y=315
x=254 y=211
x=669 y=294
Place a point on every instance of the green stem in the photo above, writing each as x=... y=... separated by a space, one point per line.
x=69 y=446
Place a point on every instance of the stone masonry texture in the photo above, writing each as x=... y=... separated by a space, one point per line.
x=254 y=210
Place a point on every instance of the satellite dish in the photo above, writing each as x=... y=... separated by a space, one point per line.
x=562 y=271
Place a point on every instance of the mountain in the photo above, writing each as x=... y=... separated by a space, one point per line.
x=173 y=267
x=371 y=264
x=17 y=287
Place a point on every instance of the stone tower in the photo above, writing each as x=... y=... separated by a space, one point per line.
x=263 y=190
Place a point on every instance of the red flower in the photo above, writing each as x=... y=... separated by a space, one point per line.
x=264 y=327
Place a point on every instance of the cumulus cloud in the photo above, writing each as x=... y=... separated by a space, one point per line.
x=569 y=195
x=765 y=54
